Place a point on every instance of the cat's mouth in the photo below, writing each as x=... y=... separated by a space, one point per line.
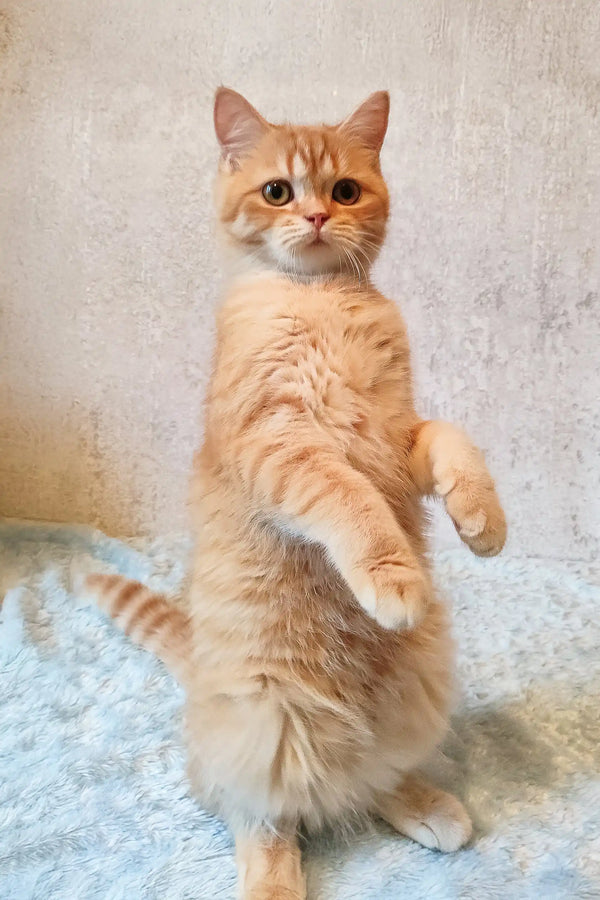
x=317 y=239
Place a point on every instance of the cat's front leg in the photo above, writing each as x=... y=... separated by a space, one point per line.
x=304 y=483
x=445 y=463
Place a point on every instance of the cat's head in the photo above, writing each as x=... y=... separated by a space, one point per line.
x=306 y=200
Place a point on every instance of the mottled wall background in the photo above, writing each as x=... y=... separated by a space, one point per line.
x=108 y=276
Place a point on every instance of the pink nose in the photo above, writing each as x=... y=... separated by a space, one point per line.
x=318 y=220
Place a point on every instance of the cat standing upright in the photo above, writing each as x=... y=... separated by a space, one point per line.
x=315 y=654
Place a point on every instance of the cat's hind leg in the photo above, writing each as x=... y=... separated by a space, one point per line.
x=426 y=814
x=269 y=866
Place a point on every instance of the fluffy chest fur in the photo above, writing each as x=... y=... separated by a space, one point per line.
x=297 y=365
x=333 y=356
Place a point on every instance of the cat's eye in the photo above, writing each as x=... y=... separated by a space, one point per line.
x=346 y=191
x=277 y=193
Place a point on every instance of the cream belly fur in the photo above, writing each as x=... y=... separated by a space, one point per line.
x=275 y=737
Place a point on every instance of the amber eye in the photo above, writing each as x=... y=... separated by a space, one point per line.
x=346 y=191
x=278 y=193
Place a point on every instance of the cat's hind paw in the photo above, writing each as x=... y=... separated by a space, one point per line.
x=428 y=815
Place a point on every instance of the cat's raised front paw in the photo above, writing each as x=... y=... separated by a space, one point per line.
x=395 y=594
x=474 y=507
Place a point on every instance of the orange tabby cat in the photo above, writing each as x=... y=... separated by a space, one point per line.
x=316 y=656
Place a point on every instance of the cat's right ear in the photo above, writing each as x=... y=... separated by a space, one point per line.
x=238 y=126
x=368 y=124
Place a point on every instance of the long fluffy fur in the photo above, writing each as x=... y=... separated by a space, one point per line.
x=316 y=657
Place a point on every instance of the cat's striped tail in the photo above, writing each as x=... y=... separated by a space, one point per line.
x=148 y=618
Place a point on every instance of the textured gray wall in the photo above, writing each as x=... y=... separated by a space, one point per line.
x=108 y=276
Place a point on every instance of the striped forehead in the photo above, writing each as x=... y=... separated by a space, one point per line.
x=305 y=162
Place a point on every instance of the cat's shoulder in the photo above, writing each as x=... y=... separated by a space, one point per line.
x=270 y=305
x=368 y=305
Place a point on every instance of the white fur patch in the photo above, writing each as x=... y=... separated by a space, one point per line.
x=282 y=166
x=299 y=169
x=300 y=186
x=241 y=227
x=327 y=170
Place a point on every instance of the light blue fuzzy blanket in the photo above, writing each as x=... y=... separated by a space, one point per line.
x=93 y=795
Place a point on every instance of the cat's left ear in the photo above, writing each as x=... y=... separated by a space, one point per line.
x=368 y=124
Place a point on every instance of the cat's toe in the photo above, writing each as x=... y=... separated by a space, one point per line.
x=428 y=815
x=478 y=517
x=446 y=828
x=485 y=533
x=394 y=594
x=402 y=605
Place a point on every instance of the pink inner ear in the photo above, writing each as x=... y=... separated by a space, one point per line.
x=368 y=123
x=238 y=126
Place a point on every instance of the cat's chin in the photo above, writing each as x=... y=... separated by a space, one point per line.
x=306 y=262
x=314 y=259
